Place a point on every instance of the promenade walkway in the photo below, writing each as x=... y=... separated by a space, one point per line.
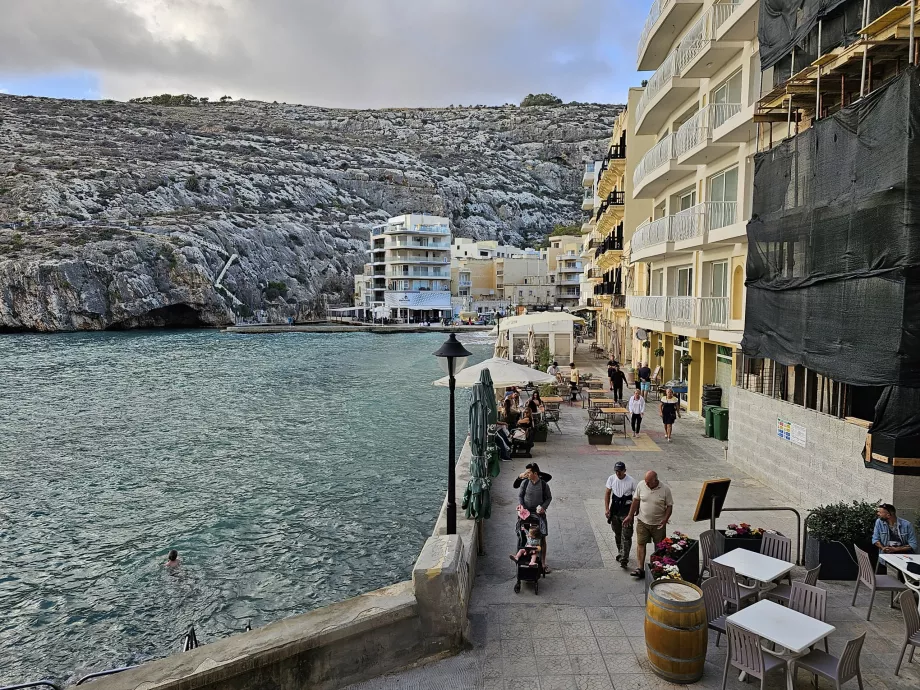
x=584 y=631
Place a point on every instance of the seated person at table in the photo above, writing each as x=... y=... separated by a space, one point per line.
x=509 y=414
x=893 y=534
x=526 y=419
x=510 y=391
x=503 y=441
x=535 y=405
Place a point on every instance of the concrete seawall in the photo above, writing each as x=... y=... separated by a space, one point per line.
x=353 y=640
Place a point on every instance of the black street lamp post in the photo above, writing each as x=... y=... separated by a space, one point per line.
x=452 y=357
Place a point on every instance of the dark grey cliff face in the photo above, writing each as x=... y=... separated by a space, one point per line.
x=117 y=215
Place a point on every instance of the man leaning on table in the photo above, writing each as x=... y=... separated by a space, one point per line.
x=893 y=534
x=651 y=508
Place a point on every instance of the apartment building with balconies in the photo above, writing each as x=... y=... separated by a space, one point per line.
x=410 y=267
x=613 y=220
x=689 y=253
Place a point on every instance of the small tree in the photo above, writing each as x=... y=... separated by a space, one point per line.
x=540 y=99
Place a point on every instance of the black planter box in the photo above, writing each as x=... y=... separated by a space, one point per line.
x=602 y=440
x=541 y=435
x=688 y=565
x=837 y=561
x=727 y=544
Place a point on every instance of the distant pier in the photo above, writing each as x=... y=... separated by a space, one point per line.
x=326 y=327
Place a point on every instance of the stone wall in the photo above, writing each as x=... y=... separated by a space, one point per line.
x=828 y=469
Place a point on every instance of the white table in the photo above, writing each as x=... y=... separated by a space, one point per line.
x=900 y=561
x=755 y=565
x=793 y=631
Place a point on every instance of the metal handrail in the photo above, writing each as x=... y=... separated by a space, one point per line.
x=100 y=674
x=33 y=684
x=799 y=544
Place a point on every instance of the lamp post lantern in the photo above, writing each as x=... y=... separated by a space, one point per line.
x=452 y=358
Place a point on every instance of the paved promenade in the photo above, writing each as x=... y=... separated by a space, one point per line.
x=584 y=630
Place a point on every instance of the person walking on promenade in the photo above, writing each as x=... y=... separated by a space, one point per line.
x=611 y=365
x=644 y=374
x=574 y=380
x=617 y=379
x=669 y=410
x=651 y=509
x=617 y=501
x=534 y=494
x=636 y=407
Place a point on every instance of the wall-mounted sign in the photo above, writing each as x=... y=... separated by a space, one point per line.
x=794 y=433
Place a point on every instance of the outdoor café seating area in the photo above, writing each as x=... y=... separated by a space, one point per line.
x=775 y=625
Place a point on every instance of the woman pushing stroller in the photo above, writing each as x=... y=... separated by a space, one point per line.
x=534 y=495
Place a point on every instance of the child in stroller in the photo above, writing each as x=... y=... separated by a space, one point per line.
x=531 y=548
x=529 y=537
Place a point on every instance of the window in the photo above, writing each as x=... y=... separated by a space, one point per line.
x=723 y=198
x=684 y=282
x=686 y=200
x=719 y=279
x=657 y=282
x=729 y=91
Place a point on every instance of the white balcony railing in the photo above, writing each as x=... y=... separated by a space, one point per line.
x=656 y=83
x=697 y=38
x=693 y=132
x=721 y=214
x=713 y=312
x=657 y=156
x=653 y=308
x=651 y=233
x=699 y=312
x=681 y=310
x=689 y=224
x=722 y=113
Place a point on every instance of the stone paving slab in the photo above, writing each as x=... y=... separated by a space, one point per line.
x=584 y=631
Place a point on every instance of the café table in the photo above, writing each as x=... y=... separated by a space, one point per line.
x=795 y=632
x=553 y=399
x=900 y=561
x=756 y=566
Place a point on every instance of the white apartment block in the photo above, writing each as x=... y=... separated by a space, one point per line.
x=699 y=105
x=410 y=267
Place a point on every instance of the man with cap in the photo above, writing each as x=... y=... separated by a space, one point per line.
x=617 y=501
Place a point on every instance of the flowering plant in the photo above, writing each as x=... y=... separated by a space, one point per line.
x=664 y=568
x=674 y=546
x=746 y=531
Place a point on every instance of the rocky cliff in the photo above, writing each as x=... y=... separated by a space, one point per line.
x=116 y=215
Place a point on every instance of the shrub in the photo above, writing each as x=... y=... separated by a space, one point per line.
x=540 y=99
x=192 y=184
x=848 y=523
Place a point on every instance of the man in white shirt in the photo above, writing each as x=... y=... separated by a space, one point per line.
x=617 y=501
x=636 y=407
x=651 y=509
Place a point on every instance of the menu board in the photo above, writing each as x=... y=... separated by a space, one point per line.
x=794 y=433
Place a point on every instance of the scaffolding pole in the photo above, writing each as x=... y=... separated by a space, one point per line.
x=913 y=16
x=818 y=91
x=865 y=22
x=789 y=110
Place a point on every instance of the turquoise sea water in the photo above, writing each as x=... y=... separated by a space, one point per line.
x=289 y=471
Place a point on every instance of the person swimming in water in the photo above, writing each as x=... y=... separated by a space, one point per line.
x=172 y=560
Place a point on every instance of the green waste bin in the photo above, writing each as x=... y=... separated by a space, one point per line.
x=707 y=415
x=720 y=423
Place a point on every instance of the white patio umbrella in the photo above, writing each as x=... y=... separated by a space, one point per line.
x=501 y=345
x=504 y=373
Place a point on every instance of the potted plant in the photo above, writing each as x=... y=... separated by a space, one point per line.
x=599 y=434
x=646 y=344
x=740 y=536
x=681 y=551
x=540 y=431
x=832 y=531
x=686 y=360
x=659 y=352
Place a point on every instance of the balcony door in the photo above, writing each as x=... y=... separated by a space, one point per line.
x=723 y=198
x=719 y=279
x=684 y=285
x=686 y=201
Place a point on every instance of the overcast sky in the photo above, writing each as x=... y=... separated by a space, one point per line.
x=347 y=53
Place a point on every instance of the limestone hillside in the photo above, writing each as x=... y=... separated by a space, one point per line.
x=116 y=215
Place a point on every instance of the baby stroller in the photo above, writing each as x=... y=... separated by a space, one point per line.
x=525 y=571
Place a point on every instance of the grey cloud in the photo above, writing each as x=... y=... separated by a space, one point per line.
x=354 y=53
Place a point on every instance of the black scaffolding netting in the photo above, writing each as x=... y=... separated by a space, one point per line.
x=788 y=24
x=833 y=269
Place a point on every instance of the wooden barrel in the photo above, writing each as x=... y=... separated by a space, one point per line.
x=676 y=630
